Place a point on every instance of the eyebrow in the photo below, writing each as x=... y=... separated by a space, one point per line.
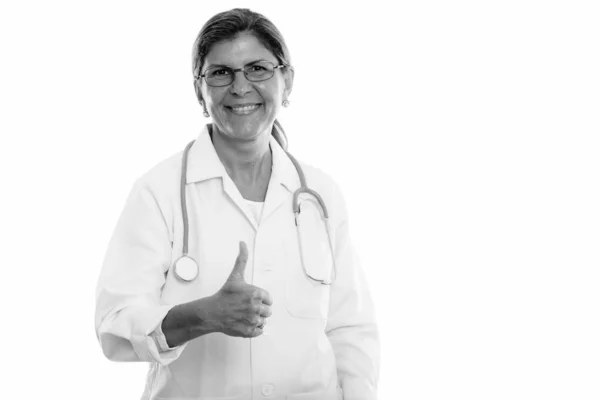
x=227 y=66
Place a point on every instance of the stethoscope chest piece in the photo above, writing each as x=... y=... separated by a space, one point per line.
x=186 y=268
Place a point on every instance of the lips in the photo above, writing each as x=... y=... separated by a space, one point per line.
x=243 y=109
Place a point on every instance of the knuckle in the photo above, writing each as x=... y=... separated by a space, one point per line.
x=267 y=297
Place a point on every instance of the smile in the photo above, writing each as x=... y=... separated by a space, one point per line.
x=243 y=109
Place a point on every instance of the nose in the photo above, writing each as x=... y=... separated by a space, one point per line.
x=240 y=84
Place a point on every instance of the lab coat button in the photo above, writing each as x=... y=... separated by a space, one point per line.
x=267 y=267
x=267 y=389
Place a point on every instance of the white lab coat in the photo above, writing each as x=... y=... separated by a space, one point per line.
x=321 y=342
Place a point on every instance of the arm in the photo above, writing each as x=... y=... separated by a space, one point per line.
x=128 y=306
x=187 y=321
x=351 y=327
x=132 y=324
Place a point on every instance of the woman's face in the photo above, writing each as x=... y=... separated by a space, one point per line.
x=244 y=109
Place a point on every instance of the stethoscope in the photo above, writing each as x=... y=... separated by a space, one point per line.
x=186 y=268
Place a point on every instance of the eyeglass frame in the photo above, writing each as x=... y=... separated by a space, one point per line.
x=234 y=70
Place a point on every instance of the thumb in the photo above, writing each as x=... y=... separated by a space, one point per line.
x=240 y=263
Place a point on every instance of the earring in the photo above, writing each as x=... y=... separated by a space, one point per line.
x=285 y=103
x=206 y=114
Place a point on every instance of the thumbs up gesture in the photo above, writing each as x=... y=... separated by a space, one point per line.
x=241 y=308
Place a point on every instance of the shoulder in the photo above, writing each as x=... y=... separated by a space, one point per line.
x=316 y=176
x=162 y=172
x=162 y=180
x=325 y=185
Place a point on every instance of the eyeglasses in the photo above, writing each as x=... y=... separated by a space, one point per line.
x=254 y=72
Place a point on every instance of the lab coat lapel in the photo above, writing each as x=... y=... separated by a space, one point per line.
x=284 y=180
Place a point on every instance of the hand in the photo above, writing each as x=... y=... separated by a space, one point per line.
x=241 y=308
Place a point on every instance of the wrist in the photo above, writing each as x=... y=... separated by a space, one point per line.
x=205 y=315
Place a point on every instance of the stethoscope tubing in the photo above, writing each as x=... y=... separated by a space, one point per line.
x=304 y=189
x=184 y=212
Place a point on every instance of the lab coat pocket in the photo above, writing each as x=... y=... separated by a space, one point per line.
x=309 y=266
x=305 y=298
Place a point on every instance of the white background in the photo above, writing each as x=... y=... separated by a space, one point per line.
x=464 y=135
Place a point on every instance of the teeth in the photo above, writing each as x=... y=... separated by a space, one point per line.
x=245 y=108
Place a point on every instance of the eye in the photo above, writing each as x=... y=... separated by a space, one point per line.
x=218 y=72
x=257 y=68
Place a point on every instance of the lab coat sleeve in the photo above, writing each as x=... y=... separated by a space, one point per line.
x=128 y=306
x=351 y=326
x=160 y=339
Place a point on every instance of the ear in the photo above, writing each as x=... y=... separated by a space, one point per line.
x=198 y=89
x=288 y=79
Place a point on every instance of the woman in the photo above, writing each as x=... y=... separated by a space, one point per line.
x=267 y=303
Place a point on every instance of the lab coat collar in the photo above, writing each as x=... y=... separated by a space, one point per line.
x=283 y=170
x=204 y=163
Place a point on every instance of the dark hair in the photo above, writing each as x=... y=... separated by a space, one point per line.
x=228 y=25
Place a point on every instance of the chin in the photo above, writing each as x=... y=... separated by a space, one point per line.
x=245 y=131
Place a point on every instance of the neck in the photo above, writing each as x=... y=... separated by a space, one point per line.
x=245 y=161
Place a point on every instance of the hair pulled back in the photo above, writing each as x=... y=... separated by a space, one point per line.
x=228 y=25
